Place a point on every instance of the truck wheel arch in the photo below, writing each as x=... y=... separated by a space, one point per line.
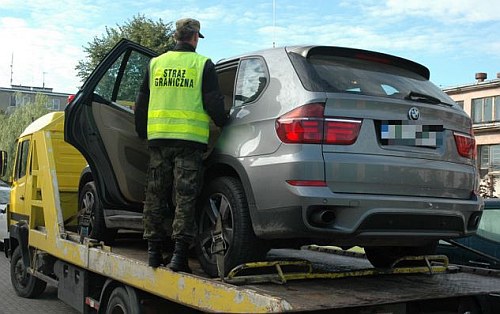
x=113 y=288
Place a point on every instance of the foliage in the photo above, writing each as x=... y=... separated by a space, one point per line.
x=487 y=186
x=157 y=36
x=11 y=126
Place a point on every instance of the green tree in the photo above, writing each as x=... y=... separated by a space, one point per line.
x=11 y=126
x=156 y=35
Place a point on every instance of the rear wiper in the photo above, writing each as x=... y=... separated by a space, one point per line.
x=415 y=96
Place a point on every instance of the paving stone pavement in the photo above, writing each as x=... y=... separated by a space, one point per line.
x=10 y=303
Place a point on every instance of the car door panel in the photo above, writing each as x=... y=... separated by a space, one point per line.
x=99 y=122
x=124 y=148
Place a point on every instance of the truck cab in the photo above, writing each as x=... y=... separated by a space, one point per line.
x=26 y=203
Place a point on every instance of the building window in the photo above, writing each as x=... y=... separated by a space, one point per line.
x=13 y=100
x=54 y=105
x=489 y=157
x=486 y=109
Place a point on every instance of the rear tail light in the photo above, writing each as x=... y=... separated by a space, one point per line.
x=466 y=145
x=307 y=125
x=341 y=131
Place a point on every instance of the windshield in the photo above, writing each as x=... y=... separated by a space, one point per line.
x=4 y=196
x=489 y=227
x=325 y=73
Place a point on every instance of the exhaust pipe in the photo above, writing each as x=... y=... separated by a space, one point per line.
x=323 y=217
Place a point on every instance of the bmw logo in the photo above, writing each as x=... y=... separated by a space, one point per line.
x=414 y=113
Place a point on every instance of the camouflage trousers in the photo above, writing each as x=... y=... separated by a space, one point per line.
x=173 y=172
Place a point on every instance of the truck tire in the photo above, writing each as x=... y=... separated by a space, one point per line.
x=226 y=194
x=385 y=256
x=90 y=204
x=123 y=300
x=25 y=285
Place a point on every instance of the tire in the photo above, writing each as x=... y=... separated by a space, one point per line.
x=241 y=243
x=89 y=203
x=469 y=305
x=385 y=256
x=123 y=300
x=25 y=285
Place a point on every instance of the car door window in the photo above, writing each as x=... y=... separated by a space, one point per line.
x=123 y=79
x=251 y=82
x=22 y=159
x=489 y=227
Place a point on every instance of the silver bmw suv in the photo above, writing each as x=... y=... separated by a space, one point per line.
x=325 y=145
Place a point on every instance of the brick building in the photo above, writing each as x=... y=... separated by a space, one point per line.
x=481 y=100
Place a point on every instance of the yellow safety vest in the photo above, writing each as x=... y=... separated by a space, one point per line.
x=175 y=101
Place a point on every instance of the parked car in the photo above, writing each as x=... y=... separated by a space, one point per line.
x=481 y=249
x=325 y=145
x=4 y=200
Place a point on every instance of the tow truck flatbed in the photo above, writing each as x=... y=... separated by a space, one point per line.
x=391 y=290
x=92 y=277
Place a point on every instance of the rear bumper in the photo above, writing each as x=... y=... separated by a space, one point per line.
x=360 y=219
x=366 y=202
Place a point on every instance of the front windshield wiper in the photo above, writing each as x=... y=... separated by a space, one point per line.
x=415 y=96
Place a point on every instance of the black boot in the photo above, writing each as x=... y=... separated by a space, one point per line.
x=155 y=258
x=179 y=261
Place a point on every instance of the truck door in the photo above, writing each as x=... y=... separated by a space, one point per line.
x=21 y=171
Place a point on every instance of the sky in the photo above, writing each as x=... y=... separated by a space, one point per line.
x=41 y=41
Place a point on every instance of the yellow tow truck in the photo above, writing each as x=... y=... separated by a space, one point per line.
x=45 y=248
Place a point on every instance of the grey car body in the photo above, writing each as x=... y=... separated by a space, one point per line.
x=324 y=145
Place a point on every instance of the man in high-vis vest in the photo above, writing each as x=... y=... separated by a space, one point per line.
x=179 y=96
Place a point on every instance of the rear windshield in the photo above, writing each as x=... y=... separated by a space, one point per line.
x=324 y=73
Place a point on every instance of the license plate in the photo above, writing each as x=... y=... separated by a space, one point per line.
x=410 y=133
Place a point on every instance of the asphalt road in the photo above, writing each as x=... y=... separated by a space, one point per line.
x=10 y=303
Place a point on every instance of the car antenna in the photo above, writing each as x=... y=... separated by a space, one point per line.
x=274 y=23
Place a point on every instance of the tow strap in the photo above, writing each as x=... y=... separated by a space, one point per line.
x=218 y=247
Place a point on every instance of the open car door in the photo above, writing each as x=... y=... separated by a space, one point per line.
x=99 y=122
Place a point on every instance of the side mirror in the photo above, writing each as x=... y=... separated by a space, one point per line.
x=3 y=163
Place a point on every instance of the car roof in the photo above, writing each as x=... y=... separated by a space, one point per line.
x=308 y=50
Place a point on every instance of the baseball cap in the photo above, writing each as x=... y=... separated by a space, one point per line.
x=188 y=24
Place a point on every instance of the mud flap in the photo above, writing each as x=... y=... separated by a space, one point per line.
x=20 y=232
